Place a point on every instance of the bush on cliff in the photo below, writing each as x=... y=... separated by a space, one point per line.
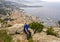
x=37 y=27
x=50 y=31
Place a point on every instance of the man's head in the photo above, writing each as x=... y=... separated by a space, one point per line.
x=27 y=23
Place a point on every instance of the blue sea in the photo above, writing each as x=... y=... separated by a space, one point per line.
x=48 y=10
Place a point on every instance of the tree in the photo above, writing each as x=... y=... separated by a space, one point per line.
x=37 y=27
x=59 y=23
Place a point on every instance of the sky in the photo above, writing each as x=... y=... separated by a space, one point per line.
x=38 y=0
x=52 y=0
x=33 y=2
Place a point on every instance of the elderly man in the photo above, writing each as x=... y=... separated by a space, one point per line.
x=27 y=32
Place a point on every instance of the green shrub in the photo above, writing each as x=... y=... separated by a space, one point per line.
x=30 y=40
x=4 y=36
x=50 y=31
x=37 y=27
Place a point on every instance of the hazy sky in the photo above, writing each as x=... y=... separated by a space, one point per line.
x=52 y=0
x=33 y=2
x=38 y=0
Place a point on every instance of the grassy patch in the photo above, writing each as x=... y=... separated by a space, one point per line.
x=30 y=40
x=4 y=37
x=50 y=31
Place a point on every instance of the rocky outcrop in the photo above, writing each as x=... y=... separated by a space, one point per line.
x=15 y=28
x=20 y=17
x=38 y=37
x=42 y=37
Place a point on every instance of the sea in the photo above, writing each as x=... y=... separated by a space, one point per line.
x=49 y=10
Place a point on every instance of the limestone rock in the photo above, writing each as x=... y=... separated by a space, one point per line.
x=15 y=28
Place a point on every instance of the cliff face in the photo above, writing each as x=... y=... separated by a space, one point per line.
x=12 y=13
x=6 y=7
x=20 y=17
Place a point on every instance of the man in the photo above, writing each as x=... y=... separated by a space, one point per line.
x=27 y=32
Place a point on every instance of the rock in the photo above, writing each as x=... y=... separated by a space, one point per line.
x=15 y=28
x=22 y=38
x=42 y=37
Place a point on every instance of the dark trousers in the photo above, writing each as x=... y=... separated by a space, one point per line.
x=28 y=34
